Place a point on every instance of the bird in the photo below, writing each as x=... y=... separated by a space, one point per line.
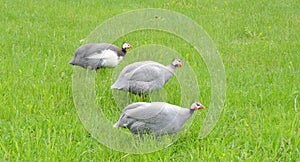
x=97 y=55
x=145 y=76
x=158 y=118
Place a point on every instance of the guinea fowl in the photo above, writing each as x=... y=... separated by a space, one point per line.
x=146 y=76
x=97 y=55
x=156 y=117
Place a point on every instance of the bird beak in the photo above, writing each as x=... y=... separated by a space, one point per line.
x=180 y=65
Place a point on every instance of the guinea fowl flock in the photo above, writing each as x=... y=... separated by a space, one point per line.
x=158 y=118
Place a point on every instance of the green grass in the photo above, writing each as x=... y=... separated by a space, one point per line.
x=257 y=40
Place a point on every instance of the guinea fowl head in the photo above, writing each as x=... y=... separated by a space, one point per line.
x=126 y=46
x=177 y=62
x=197 y=106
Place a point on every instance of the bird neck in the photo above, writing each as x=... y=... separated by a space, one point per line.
x=187 y=113
x=124 y=50
x=192 y=111
x=172 y=68
x=169 y=72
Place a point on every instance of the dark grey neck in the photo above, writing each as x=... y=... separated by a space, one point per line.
x=192 y=111
x=169 y=72
x=121 y=53
x=124 y=50
x=186 y=114
x=172 y=68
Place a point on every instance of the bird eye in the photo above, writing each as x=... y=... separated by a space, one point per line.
x=197 y=104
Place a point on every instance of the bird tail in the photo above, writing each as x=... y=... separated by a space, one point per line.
x=116 y=125
x=115 y=86
x=72 y=62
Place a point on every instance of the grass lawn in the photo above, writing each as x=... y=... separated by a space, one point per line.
x=258 y=42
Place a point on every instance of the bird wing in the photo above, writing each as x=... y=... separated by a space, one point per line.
x=145 y=71
x=92 y=50
x=106 y=46
x=144 y=110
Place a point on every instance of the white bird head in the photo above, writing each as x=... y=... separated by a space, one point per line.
x=126 y=46
x=177 y=62
x=197 y=106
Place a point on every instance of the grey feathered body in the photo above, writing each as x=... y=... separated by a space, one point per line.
x=157 y=117
x=143 y=77
x=97 y=55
